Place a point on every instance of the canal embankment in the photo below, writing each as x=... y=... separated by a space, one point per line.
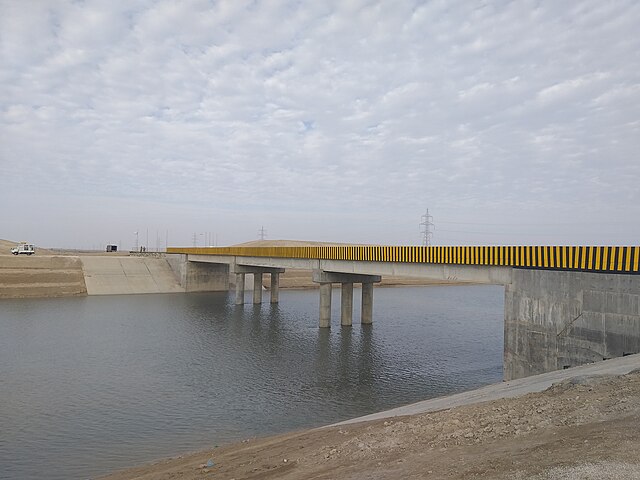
x=67 y=275
x=41 y=276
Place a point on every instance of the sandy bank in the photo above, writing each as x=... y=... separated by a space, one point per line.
x=41 y=276
x=587 y=428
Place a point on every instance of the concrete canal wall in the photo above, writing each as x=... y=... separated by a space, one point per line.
x=555 y=320
x=115 y=275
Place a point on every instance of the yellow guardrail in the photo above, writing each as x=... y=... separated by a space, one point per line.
x=583 y=258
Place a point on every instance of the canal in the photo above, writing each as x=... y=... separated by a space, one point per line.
x=93 y=384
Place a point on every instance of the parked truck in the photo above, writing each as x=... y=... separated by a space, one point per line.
x=24 y=249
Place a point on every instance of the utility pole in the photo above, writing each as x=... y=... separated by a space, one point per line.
x=195 y=239
x=136 y=234
x=426 y=224
x=262 y=233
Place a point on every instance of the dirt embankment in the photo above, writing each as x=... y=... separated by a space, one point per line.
x=41 y=276
x=6 y=246
x=585 y=429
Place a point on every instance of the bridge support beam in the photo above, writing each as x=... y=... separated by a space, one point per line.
x=242 y=270
x=325 y=305
x=367 y=303
x=326 y=279
x=257 y=288
x=346 y=303
x=275 y=287
x=239 y=288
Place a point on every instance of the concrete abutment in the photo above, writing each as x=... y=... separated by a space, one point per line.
x=559 y=319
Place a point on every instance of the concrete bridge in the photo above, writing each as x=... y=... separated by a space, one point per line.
x=564 y=305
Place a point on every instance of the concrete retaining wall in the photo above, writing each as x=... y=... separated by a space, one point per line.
x=41 y=276
x=555 y=320
x=198 y=276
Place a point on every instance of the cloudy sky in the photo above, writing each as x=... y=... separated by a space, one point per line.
x=513 y=122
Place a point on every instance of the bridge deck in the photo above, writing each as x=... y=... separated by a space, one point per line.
x=609 y=259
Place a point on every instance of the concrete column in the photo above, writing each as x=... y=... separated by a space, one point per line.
x=346 y=303
x=275 y=286
x=239 y=288
x=367 y=303
x=257 y=288
x=325 y=305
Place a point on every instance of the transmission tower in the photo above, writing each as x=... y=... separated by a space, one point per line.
x=427 y=225
x=262 y=233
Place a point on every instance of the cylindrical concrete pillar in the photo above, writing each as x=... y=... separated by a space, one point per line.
x=367 y=303
x=325 y=305
x=346 y=303
x=239 y=288
x=275 y=285
x=257 y=288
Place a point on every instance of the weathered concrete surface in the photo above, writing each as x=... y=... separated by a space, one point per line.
x=197 y=276
x=555 y=320
x=41 y=276
x=510 y=389
x=112 y=275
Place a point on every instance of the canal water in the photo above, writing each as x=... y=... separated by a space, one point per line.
x=94 y=384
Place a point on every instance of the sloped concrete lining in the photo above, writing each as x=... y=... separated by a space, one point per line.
x=513 y=388
x=128 y=275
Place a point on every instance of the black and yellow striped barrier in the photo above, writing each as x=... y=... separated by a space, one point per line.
x=590 y=259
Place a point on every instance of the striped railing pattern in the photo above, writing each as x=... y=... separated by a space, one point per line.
x=582 y=258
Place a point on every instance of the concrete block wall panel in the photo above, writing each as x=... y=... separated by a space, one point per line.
x=560 y=319
x=206 y=277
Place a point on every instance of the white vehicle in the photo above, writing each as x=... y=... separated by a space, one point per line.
x=24 y=248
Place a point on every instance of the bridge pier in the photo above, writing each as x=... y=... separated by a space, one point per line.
x=275 y=287
x=346 y=301
x=242 y=270
x=325 y=305
x=326 y=279
x=257 y=288
x=367 y=303
x=239 y=288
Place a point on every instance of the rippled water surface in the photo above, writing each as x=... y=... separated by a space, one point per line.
x=89 y=385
